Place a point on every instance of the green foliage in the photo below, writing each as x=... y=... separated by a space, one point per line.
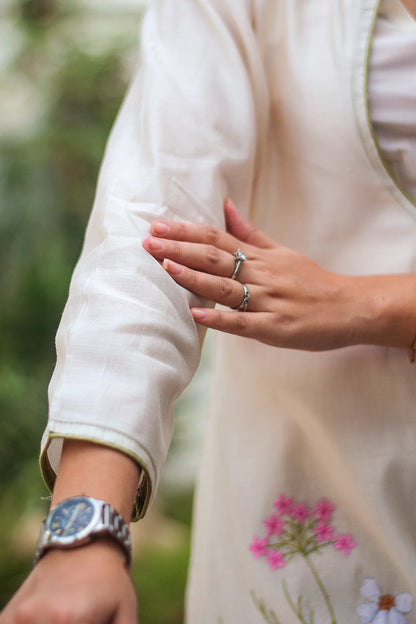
x=33 y=12
x=160 y=577
x=178 y=506
x=21 y=404
x=47 y=186
x=20 y=496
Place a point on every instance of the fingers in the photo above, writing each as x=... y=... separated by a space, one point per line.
x=192 y=233
x=205 y=248
x=246 y=324
x=242 y=229
x=197 y=256
x=238 y=230
x=219 y=289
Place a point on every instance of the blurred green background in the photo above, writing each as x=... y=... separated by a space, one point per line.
x=65 y=67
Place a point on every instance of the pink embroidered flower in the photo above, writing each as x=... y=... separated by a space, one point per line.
x=323 y=510
x=274 y=525
x=324 y=533
x=301 y=512
x=344 y=543
x=258 y=547
x=276 y=560
x=299 y=530
x=284 y=505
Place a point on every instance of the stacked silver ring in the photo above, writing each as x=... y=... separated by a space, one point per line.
x=243 y=305
x=239 y=258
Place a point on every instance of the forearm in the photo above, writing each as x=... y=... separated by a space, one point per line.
x=98 y=471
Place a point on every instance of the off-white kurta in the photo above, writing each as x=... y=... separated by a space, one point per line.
x=264 y=101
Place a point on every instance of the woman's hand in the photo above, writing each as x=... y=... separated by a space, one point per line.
x=293 y=302
x=85 y=585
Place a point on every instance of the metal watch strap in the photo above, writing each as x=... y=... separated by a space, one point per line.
x=118 y=528
x=39 y=545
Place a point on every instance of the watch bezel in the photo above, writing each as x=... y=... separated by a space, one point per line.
x=83 y=535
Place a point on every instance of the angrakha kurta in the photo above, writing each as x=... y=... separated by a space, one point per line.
x=264 y=101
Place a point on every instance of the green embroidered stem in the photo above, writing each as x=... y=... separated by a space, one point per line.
x=322 y=588
x=269 y=616
x=296 y=611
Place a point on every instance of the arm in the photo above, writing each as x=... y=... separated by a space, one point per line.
x=294 y=303
x=127 y=345
x=90 y=583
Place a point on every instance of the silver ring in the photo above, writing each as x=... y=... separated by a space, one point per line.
x=239 y=258
x=243 y=305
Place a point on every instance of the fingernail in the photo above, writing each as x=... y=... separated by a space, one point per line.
x=172 y=267
x=160 y=228
x=198 y=313
x=155 y=244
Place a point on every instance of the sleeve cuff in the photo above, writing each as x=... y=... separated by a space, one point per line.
x=144 y=490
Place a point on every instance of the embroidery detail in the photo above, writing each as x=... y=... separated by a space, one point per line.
x=300 y=530
x=269 y=616
x=383 y=608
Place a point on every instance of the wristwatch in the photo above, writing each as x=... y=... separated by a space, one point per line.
x=79 y=520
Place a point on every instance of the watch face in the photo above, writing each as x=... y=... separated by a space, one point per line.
x=71 y=517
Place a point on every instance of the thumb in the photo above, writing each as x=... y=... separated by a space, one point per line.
x=242 y=229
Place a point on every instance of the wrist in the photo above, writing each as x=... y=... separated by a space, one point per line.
x=383 y=310
x=80 y=520
x=90 y=469
x=101 y=550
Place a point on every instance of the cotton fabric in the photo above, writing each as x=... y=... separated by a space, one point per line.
x=264 y=101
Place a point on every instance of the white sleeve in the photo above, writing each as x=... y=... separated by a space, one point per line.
x=185 y=139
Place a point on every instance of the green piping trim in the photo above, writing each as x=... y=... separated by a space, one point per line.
x=381 y=156
x=143 y=492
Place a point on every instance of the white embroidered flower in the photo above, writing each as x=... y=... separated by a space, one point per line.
x=383 y=608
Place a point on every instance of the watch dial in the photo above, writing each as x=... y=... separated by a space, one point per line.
x=70 y=517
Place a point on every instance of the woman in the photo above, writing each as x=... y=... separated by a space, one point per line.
x=303 y=510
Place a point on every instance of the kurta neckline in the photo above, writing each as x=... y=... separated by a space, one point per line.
x=360 y=74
